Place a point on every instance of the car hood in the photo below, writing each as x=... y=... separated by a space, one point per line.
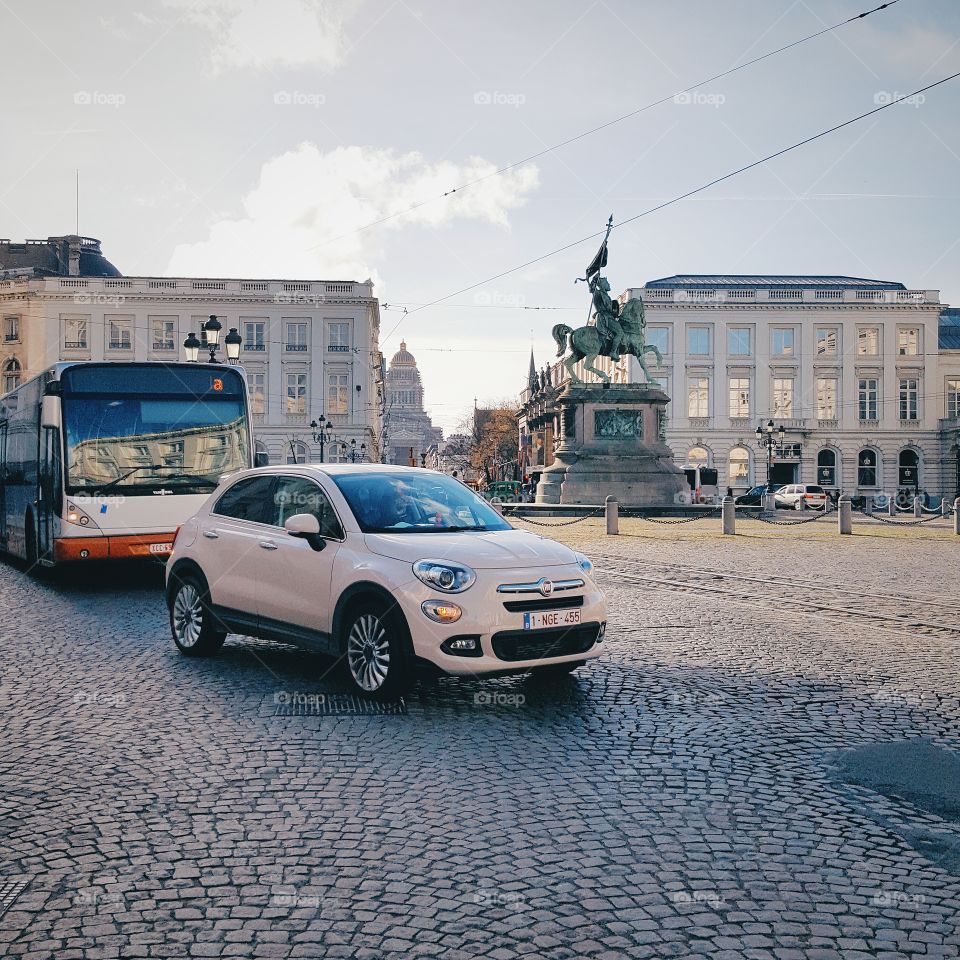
x=482 y=551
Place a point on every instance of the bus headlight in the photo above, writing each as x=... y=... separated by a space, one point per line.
x=73 y=514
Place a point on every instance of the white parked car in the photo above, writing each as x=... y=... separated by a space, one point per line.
x=386 y=567
x=797 y=496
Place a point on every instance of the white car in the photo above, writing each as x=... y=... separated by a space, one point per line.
x=385 y=567
x=797 y=496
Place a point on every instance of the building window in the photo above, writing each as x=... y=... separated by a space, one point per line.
x=698 y=397
x=11 y=329
x=868 y=342
x=296 y=337
x=738 y=341
x=738 y=472
x=337 y=393
x=296 y=452
x=867 y=398
x=827 y=468
x=75 y=335
x=783 y=397
x=296 y=393
x=908 y=342
x=11 y=375
x=909 y=399
x=698 y=341
x=698 y=457
x=258 y=392
x=953 y=399
x=254 y=335
x=658 y=337
x=739 y=398
x=163 y=332
x=826 y=398
x=908 y=469
x=867 y=468
x=338 y=336
x=827 y=341
x=120 y=333
x=263 y=456
x=782 y=342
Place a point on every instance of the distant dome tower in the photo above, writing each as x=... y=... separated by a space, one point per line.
x=408 y=427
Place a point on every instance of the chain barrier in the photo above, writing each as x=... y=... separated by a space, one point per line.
x=563 y=523
x=899 y=523
x=710 y=515
x=794 y=523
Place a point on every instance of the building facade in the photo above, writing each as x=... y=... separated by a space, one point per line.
x=409 y=434
x=309 y=347
x=864 y=376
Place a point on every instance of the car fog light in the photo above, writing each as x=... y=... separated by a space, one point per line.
x=467 y=645
x=441 y=612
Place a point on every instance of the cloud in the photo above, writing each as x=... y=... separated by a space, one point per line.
x=259 y=34
x=303 y=217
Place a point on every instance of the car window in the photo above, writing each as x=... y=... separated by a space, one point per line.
x=248 y=499
x=302 y=495
x=814 y=489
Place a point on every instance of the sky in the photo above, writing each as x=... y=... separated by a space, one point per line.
x=347 y=139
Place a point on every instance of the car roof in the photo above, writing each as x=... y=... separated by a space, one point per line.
x=340 y=469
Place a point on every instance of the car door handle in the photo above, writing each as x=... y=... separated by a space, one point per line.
x=268 y=545
x=211 y=534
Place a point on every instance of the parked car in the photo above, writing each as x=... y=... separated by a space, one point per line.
x=753 y=497
x=385 y=567
x=797 y=496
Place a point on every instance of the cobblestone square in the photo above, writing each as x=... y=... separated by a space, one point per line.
x=760 y=767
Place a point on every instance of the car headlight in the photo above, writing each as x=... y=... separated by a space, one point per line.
x=445 y=576
x=586 y=564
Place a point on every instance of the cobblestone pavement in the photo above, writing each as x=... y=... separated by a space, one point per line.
x=689 y=794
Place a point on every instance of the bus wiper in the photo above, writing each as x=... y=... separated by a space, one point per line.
x=189 y=477
x=130 y=473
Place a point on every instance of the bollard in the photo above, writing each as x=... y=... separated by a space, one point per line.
x=769 y=502
x=956 y=516
x=845 y=515
x=497 y=505
x=613 y=516
x=917 y=507
x=728 y=507
x=891 y=506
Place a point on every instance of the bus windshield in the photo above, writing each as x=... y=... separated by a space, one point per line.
x=154 y=431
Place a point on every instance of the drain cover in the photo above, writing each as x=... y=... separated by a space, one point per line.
x=336 y=705
x=10 y=889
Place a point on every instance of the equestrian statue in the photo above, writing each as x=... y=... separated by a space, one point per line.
x=618 y=329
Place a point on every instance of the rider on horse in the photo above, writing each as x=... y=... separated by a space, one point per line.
x=607 y=312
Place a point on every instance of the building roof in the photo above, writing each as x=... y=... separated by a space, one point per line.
x=711 y=280
x=69 y=256
x=950 y=328
x=403 y=357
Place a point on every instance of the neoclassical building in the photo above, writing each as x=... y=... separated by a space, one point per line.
x=409 y=432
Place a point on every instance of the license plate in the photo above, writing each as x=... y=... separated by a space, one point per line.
x=544 y=619
x=160 y=547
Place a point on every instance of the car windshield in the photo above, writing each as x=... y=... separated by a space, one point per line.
x=415 y=502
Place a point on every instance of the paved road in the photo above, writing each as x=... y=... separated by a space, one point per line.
x=709 y=788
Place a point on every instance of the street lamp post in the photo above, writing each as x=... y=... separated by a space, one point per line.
x=212 y=328
x=233 y=342
x=321 y=433
x=353 y=451
x=766 y=438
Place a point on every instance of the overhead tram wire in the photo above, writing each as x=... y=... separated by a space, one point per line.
x=603 y=126
x=677 y=199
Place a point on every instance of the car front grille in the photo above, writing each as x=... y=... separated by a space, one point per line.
x=550 y=603
x=516 y=645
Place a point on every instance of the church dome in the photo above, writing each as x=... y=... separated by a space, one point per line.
x=403 y=357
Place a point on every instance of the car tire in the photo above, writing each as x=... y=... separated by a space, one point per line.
x=193 y=624
x=373 y=641
x=557 y=669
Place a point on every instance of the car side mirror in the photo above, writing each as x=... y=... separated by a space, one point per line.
x=307 y=527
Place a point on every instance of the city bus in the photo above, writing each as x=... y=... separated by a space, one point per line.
x=703 y=483
x=103 y=461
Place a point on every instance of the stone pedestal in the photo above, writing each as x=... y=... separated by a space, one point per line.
x=611 y=444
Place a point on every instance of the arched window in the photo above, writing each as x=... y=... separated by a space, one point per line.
x=908 y=472
x=262 y=456
x=738 y=472
x=698 y=457
x=827 y=467
x=868 y=468
x=297 y=452
x=11 y=375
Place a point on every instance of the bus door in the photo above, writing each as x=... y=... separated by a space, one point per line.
x=48 y=490
x=3 y=483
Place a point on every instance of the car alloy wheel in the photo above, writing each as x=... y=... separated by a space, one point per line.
x=368 y=652
x=187 y=616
